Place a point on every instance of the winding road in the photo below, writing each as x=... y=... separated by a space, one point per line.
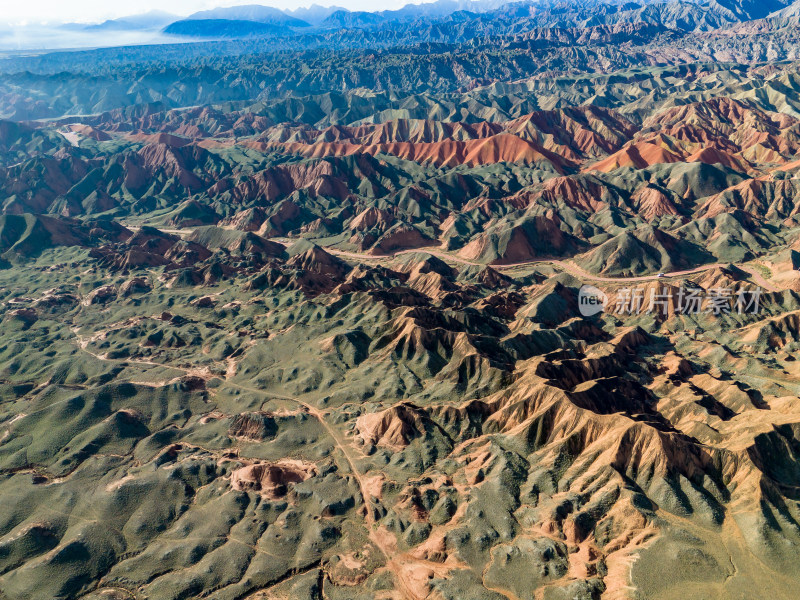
x=402 y=565
x=566 y=266
x=405 y=567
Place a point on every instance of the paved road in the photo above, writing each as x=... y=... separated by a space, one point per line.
x=567 y=266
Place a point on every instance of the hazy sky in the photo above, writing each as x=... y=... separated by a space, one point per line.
x=16 y=11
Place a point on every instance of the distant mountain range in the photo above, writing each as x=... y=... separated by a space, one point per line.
x=223 y=28
x=314 y=14
x=257 y=20
x=249 y=20
x=442 y=21
x=250 y=12
x=155 y=19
